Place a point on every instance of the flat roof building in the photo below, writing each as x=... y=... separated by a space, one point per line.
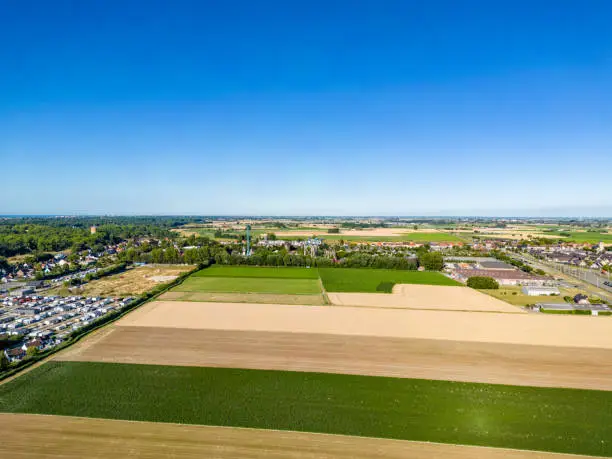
x=537 y=291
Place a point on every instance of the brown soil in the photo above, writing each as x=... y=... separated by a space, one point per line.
x=535 y=329
x=131 y=282
x=426 y=297
x=27 y=435
x=545 y=366
x=269 y=298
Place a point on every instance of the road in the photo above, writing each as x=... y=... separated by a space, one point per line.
x=584 y=279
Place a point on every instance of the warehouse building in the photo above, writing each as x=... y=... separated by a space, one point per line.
x=538 y=291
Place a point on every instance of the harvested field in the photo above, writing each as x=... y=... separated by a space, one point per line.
x=536 y=329
x=426 y=297
x=545 y=366
x=534 y=418
x=133 y=281
x=55 y=437
x=269 y=298
x=249 y=285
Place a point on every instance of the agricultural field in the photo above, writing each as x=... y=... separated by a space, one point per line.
x=494 y=363
x=249 y=285
x=258 y=272
x=590 y=237
x=429 y=361
x=253 y=298
x=376 y=280
x=407 y=237
x=415 y=296
x=409 y=409
x=134 y=281
x=534 y=329
x=55 y=437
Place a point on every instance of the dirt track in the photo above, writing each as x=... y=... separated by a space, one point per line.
x=409 y=358
x=426 y=297
x=535 y=329
x=26 y=435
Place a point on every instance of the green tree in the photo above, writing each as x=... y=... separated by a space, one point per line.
x=32 y=351
x=431 y=261
x=4 y=361
x=482 y=282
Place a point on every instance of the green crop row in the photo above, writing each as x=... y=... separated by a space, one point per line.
x=547 y=419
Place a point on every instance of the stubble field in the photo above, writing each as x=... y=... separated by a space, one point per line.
x=55 y=437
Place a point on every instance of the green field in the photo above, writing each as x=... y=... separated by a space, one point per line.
x=368 y=280
x=249 y=285
x=255 y=271
x=592 y=238
x=559 y=420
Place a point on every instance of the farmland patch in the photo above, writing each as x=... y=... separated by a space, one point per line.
x=368 y=280
x=558 y=420
x=546 y=366
x=249 y=285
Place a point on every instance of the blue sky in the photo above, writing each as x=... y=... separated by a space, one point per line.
x=300 y=108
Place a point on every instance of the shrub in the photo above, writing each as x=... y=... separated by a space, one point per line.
x=386 y=287
x=482 y=282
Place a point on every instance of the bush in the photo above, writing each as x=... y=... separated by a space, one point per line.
x=482 y=282
x=333 y=231
x=386 y=287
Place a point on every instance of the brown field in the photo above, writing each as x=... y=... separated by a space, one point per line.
x=536 y=329
x=546 y=366
x=28 y=435
x=134 y=281
x=269 y=298
x=407 y=296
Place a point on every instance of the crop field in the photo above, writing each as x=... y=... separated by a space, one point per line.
x=249 y=285
x=370 y=280
x=496 y=363
x=256 y=271
x=558 y=420
x=534 y=329
x=61 y=437
x=414 y=296
x=254 y=298
x=591 y=237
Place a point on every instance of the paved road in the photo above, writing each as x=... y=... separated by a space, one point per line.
x=585 y=279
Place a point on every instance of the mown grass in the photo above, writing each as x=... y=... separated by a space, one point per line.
x=558 y=420
x=257 y=271
x=250 y=285
x=369 y=280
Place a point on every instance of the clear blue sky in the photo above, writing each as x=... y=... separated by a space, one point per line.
x=306 y=107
